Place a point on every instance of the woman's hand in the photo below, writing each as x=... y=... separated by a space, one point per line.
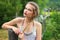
x=21 y=35
x=16 y=30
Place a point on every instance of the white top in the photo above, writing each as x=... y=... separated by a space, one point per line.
x=31 y=35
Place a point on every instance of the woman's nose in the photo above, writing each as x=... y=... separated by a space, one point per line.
x=25 y=11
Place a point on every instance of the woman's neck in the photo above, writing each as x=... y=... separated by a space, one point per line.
x=28 y=20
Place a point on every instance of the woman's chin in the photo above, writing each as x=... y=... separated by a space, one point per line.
x=24 y=15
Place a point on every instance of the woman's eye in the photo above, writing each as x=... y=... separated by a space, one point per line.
x=28 y=9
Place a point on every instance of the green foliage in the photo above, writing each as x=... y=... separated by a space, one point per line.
x=8 y=10
x=53 y=27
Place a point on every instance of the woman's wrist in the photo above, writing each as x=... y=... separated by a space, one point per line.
x=21 y=35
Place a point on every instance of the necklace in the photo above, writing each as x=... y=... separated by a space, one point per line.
x=27 y=26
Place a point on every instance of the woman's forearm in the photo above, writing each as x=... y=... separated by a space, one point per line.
x=6 y=26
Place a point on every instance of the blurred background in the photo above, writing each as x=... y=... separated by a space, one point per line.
x=49 y=16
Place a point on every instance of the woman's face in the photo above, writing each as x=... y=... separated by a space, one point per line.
x=28 y=11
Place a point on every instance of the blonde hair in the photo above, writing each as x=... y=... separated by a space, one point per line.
x=36 y=10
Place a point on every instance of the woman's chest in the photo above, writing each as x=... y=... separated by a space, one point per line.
x=25 y=27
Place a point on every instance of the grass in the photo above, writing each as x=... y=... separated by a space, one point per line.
x=3 y=34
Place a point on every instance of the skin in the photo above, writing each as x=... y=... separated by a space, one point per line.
x=28 y=22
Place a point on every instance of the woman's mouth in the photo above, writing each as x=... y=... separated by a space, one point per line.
x=25 y=13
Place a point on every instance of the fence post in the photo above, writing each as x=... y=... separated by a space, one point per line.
x=12 y=35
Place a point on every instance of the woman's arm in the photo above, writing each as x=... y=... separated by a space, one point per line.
x=10 y=25
x=39 y=32
x=21 y=36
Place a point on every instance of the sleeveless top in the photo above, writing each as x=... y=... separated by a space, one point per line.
x=31 y=35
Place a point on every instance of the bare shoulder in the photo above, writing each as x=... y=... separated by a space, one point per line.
x=38 y=30
x=14 y=21
x=18 y=19
x=38 y=23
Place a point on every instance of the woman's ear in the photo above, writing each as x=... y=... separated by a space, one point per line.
x=34 y=14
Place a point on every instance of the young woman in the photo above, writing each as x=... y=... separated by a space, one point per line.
x=27 y=28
